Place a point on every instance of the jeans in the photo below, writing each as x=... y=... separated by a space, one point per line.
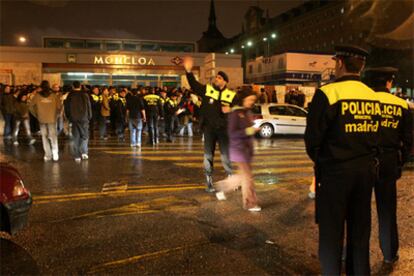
x=189 y=127
x=135 y=130
x=26 y=124
x=152 y=122
x=49 y=139
x=80 y=132
x=8 y=125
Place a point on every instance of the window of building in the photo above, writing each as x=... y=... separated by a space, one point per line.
x=93 y=44
x=75 y=43
x=113 y=45
x=54 y=43
x=130 y=46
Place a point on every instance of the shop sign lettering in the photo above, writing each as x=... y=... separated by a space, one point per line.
x=123 y=60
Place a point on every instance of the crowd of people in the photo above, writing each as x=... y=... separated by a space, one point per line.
x=100 y=112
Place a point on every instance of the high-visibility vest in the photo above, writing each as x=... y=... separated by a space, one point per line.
x=226 y=98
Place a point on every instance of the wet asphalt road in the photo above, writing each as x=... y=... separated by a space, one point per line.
x=145 y=211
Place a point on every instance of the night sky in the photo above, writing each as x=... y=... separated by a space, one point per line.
x=158 y=20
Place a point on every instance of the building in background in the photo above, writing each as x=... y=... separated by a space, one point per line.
x=24 y=65
x=384 y=27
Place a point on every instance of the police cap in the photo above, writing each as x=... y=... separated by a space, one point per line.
x=351 y=51
x=385 y=73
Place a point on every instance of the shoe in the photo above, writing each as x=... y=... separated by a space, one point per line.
x=221 y=196
x=210 y=187
x=47 y=158
x=32 y=141
x=138 y=145
x=392 y=261
x=255 y=209
x=16 y=143
x=55 y=157
x=78 y=159
x=133 y=145
x=85 y=156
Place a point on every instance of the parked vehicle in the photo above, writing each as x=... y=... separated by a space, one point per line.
x=276 y=118
x=15 y=200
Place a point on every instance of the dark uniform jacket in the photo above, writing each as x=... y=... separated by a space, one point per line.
x=396 y=124
x=343 y=124
x=212 y=101
x=96 y=101
x=153 y=105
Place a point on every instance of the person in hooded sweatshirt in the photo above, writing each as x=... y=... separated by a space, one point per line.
x=45 y=106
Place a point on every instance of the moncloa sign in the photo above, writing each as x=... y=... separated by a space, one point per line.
x=123 y=60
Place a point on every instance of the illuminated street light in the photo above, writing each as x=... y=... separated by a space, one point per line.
x=22 y=39
x=227 y=53
x=264 y=38
x=274 y=35
x=232 y=50
x=249 y=43
x=242 y=46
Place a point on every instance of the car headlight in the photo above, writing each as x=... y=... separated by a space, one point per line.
x=18 y=188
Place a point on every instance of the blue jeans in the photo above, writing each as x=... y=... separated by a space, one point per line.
x=8 y=125
x=135 y=130
x=102 y=126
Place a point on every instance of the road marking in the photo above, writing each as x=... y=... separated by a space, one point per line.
x=134 y=259
x=130 y=191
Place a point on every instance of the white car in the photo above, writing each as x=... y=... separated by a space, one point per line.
x=276 y=118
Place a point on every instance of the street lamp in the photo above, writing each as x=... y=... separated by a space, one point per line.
x=264 y=38
x=273 y=35
x=242 y=46
x=249 y=43
x=232 y=50
x=22 y=39
x=227 y=53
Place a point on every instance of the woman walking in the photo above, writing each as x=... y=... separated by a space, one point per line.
x=241 y=133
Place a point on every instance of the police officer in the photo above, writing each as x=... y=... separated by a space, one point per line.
x=153 y=110
x=395 y=145
x=341 y=138
x=217 y=100
x=96 y=101
x=170 y=108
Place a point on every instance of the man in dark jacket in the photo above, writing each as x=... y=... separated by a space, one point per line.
x=78 y=111
x=7 y=109
x=216 y=103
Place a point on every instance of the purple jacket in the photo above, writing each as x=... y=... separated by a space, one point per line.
x=241 y=143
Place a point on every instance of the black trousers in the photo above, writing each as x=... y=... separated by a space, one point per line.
x=386 y=199
x=152 y=122
x=212 y=136
x=168 y=126
x=344 y=198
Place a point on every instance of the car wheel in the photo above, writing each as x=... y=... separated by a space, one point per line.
x=266 y=131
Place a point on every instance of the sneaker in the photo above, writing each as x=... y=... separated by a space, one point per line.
x=85 y=156
x=47 y=158
x=210 y=189
x=138 y=145
x=16 y=143
x=221 y=196
x=133 y=145
x=32 y=141
x=78 y=159
x=55 y=157
x=255 y=209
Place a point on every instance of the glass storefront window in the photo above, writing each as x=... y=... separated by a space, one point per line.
x=75 y=44
x=54 y=43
